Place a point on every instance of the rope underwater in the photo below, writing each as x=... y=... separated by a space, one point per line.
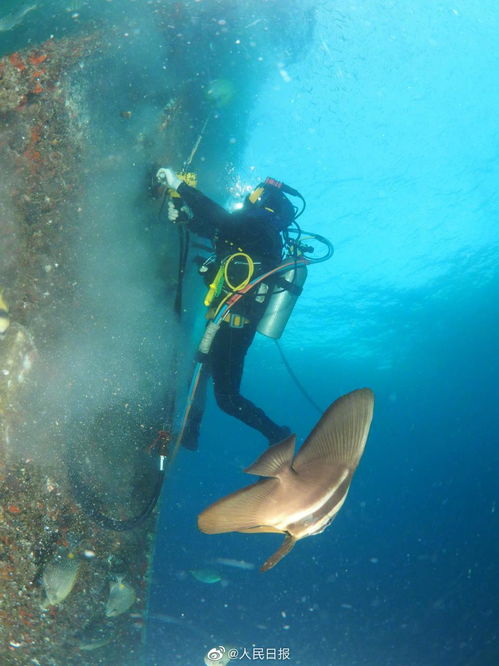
x=295 y=379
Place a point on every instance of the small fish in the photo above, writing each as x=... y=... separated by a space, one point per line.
x=13 y=19
x=220 y=92
x=253 y=23
x=304 y=492
x=206 y=575
x=325 y=47
x=121 y=597
x=237 y=564
x=95 y=635
x=4 y=315
x=74 y=6
x=95 y=644
x=183 y=623
x=59 y=576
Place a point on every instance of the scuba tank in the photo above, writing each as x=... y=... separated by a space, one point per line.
x=288 y=287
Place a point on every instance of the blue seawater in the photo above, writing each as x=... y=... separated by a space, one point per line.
x=389 y=129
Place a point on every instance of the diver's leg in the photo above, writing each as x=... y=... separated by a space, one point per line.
x=227 y=362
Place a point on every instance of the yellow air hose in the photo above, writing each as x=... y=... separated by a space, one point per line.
x=235 y=288
x=222 y=277
x=251 y=270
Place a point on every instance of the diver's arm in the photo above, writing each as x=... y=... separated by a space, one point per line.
x=208 y=216
x=201 y=205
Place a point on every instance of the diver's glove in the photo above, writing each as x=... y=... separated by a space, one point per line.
x=168 y=177
x=178 y=214
x=173 y=212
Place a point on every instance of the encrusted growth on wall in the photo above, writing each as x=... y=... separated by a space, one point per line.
x=62 y=465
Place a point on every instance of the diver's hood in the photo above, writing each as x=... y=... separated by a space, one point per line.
x=270 y=197
x=267 y=215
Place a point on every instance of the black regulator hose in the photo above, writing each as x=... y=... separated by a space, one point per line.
x=183 y=253
x=299 y=385
x=89 y=502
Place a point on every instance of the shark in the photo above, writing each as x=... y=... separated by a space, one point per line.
x=12 y=20
x=299 y=495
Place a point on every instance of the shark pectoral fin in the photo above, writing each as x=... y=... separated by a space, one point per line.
x=275 y=459
x=286 y=546
x=242 y=511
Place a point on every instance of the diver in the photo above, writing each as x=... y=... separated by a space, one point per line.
x=247 y=243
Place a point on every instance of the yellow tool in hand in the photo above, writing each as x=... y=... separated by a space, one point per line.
x=189 y=177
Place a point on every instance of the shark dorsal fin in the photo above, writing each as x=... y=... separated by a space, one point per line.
x=275 y=460
x=340 y=436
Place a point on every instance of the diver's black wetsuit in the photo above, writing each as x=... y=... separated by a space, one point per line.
x=250 y=231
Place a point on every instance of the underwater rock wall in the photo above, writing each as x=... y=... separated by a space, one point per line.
x=56 y=565
x=94 y=353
